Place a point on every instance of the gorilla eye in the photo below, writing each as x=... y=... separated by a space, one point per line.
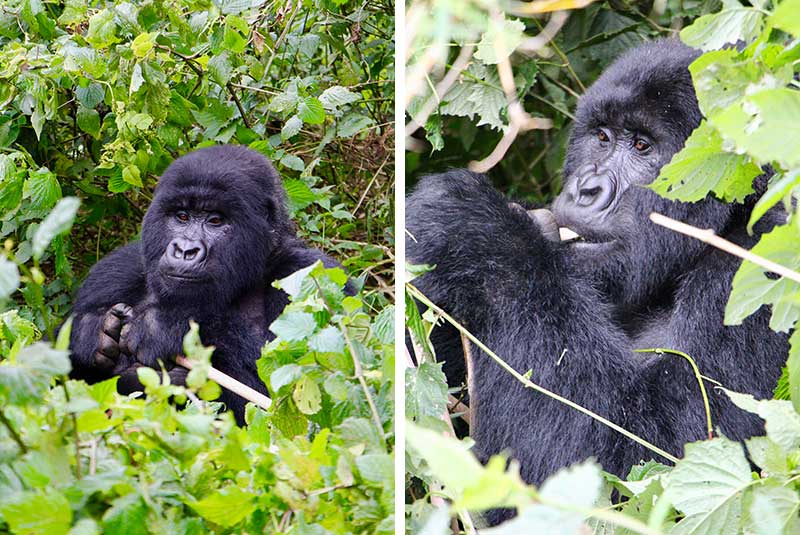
x=641 y=145
x=215 y=220
x=602 y=136
x=182 y=216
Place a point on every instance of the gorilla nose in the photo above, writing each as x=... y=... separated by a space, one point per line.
x=186 y=252
x=594 y=192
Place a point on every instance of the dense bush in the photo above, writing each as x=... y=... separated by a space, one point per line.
x=97 y=99
x=751 y=106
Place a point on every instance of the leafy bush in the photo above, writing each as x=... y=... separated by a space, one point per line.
x=750 y=102
x=96 y=100
x=81 y=458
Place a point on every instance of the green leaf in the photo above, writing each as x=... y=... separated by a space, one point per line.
x=126 y=516
x=376 y=468
x=703 y=167
x=307 y=396
x=782 y=422
x=102 y=31
x=734 y=23
x=479 y=93
x=42 y=188
x=298 y=194
x=9 y=277
x=311 y=111
x=226 y=507
x=220 y=69
x=577 y=486
x=780 y=187
x=500 y=40
x=46 y=513
x=793 y=369
x=284 y=375
x=290 y=161
x=294 y=326
x=328 y=340
x=384 y=325
x=89 y=121
x=91 y=95
x=352 y=124
x=291 y=127
x=143 y=44
x=426 y=390
x=57 y=222
x=787 y=17
x=337 y=96
x=761 y=123
x=774 y=510
x=753 y=288
x=232 y=35
x=707 y=486
x=130 y=174
x=24 y=380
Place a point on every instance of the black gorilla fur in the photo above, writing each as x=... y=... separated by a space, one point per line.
x=574 y=312
x=133 y=311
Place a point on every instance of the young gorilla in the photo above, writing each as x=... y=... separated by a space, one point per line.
x=574 y=312
x=215 y=237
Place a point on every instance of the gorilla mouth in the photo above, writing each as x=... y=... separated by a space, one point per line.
x=184 y=278
x=584 y=241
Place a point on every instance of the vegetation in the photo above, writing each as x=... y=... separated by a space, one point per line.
x=97 y=99
x=750 y=102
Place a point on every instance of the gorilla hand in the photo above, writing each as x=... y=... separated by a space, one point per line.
x=107 y=357
x=546 y=222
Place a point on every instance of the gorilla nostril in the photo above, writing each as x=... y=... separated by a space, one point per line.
x=586 y=196
x=191 y=254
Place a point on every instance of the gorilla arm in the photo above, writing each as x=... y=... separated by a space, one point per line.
x=511 y=287
x=102 y=307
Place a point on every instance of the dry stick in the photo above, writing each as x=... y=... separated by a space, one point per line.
x=473 y=400
x=13 y=432
x=708 y=236
x=530 y=384
x=226 y=381
x=441 y=89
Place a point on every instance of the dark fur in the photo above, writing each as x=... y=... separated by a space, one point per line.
x=235 y=308
x=530 y=299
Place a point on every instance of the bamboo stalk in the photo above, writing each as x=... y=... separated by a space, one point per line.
x=228 y=382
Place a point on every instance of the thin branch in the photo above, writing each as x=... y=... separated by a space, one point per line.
x=709 y=236
x=441 y=89
x=238 y=103
x=228 y=382
x=413 y=290
x=13 y=432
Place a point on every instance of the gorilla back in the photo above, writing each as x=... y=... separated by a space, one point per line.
x=575 y=312
x=214 y=238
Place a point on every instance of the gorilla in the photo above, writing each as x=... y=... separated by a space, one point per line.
x=214 y=238
x=574 y=312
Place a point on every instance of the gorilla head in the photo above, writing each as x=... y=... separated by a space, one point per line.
x=628 y=125
x=197 y=233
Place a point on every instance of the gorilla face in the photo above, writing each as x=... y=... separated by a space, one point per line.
x=215 y=220
x=628 y=125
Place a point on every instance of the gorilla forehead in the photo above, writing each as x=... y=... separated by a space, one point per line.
x=647 y=89
x=223 y=176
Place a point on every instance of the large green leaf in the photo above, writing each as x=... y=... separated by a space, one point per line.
x=58 y=221
x=754 y=286
x=734 y=23
x=703 y=167
x=707 y=486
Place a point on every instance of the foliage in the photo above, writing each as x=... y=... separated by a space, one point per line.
x=78 y=458
x=96 y=100
x=749 y=98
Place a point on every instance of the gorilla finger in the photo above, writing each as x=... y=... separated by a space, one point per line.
x=128 y=381
x=177 y=375
x=112 y=325
x=547 y=223
x=103 y=362
x=108 y=346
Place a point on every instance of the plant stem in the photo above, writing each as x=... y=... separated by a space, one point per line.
x=13 y=432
